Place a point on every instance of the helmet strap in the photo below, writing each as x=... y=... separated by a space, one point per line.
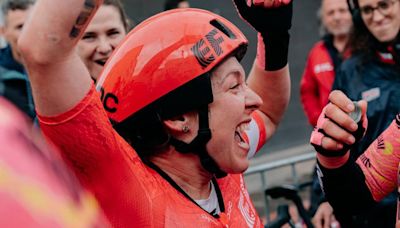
x=198 y=144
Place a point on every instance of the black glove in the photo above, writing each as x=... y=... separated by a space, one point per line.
x=318 y=133
x=273 y=24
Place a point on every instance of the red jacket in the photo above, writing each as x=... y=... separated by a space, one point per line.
x=317 y=81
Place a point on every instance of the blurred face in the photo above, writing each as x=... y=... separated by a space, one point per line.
x=14 y=21
x=183 y=5
x=336 y=17
x=103 y=34
x=381 y=17
x=230 y=116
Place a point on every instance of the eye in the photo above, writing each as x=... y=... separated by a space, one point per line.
x=19 y=26
x=366 y=10
x=89 y=37
x=113 y=33
x=383 y=5
x=236 y=86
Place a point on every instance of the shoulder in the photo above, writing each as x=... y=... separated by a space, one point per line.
x=318 y=48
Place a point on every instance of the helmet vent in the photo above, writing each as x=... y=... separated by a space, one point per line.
x=223 y=28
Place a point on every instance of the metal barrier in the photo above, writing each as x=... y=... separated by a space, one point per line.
x=263 y=168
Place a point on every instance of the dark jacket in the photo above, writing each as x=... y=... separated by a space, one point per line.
x=14 y=83
x=378 y=82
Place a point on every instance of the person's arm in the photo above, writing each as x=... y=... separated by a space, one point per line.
x=366 y=181
x=269 y=77
x=58 y=77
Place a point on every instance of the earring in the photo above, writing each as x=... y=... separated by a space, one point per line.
x=185 y=129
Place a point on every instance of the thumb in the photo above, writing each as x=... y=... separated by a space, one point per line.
x=363 y=105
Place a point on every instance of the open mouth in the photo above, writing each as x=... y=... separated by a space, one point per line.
x=101 y=62
x=239 y=135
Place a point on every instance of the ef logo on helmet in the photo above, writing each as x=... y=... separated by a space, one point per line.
x=202 y=50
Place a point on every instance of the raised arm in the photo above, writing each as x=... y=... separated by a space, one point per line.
x=58 y=77
x=269 y=77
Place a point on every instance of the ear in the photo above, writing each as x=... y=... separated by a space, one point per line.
x=176 y=124
x=181 y=124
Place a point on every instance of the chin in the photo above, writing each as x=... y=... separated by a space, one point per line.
x=239 y=168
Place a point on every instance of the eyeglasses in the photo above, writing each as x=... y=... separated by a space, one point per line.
x=384 y=7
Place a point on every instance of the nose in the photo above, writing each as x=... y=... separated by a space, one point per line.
x=253 y=101
x=104 y=46
x=377 y=15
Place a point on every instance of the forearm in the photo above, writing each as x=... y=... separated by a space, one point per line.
x=55 y=25
x=345 y=188
x=58 y=77
x=380 y=162
x=274 y=88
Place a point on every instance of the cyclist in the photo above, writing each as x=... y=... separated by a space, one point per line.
x=372 y=74
x=372 y=176
x=176 y=93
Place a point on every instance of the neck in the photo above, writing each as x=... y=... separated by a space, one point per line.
x=186 y=171
x=340 y=42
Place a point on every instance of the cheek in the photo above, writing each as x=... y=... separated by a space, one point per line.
x=85 y=50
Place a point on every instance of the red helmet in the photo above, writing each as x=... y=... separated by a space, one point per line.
x=164 y=53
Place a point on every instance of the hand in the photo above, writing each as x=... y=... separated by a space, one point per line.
x=266 y=15
x=336 y=131
x=272 y=19
x=324 y=217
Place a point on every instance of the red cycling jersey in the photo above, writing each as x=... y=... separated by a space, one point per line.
x=131 y=193
x=381 y=160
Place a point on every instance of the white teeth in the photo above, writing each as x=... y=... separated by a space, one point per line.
x=243 y=127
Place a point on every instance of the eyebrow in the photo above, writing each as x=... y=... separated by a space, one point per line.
x=234 y=71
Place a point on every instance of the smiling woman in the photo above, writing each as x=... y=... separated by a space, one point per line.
x=175 y=91
x=371 y=74
x=106 y=30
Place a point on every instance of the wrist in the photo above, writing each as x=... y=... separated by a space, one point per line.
x=272 y=50
x=333 y=162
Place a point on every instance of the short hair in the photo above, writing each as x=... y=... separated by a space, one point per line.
x=11 y=5
x=172 y=4
x=128 y=24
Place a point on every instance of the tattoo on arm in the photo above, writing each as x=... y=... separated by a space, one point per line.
x=89 y=7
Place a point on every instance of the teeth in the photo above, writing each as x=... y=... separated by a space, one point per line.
x=243 y=127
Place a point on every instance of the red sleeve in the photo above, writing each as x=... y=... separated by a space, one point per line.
x=309 y=93
x=380 y=162
x=103 y=162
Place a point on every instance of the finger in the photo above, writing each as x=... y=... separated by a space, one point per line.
x=363 y=105
x=327 y=220
x=286 y=2
x=337 y=133
x=330 y=144
x=279 y=3
x=317 y=221
x=269 y=3
x=341 y=117
x=338 y=98
x=334 y=222
x=258 y=2
x=249 y=3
